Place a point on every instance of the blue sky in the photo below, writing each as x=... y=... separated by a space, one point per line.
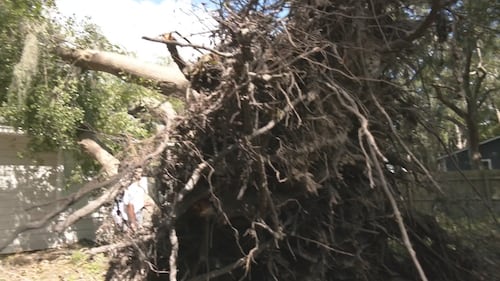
x=124 y=22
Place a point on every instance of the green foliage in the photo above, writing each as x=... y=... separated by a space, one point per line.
x=15 y=17
x=105 y=101
x=57 y=103
x=461 y=72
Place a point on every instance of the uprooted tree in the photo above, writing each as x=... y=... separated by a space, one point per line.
x=290 y=157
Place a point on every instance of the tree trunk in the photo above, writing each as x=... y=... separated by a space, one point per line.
x=473 y=135
x=460 y=141
x=497 y=111
x=169 y=79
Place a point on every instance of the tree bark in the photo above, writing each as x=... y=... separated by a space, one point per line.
x=460 y=142
x=108 y=162
x=497 y=111
x=170 y=79
x=473 y=136
x=475 y=154
x=472 y=100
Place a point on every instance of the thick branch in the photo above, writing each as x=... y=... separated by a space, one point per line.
x=170 y=79
x=460 y=112
x=108 y=162
x=459 y=123
x=201 y=47
x=107 y=196
x=436 y=7
x=119 y=245
x=172 y=48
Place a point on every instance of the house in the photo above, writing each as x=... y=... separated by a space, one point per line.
x=460 y=159
x=30 y=185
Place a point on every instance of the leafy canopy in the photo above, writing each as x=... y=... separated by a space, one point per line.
x=53 y=102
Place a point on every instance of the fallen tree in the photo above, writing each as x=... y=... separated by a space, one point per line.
x=288 y=160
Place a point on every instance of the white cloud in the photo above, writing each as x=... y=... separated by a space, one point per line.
x=124 y=22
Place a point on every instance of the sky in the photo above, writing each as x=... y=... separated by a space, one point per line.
x=124 y=22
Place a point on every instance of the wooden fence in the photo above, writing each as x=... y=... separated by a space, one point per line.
x=472 y=194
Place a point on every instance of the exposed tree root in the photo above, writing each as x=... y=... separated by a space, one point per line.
x=288 y=162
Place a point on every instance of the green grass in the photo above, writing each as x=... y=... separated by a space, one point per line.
x=89 y=266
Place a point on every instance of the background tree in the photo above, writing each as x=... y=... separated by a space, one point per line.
x=460 y=69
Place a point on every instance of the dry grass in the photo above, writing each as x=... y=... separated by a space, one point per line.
x=53 y=264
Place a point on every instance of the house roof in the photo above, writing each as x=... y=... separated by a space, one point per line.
x=465 y=149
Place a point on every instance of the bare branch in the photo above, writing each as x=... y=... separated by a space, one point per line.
x=107 y=196
x=174 y=242
x=171 y=42
x=405 y=147
x=404 y=232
